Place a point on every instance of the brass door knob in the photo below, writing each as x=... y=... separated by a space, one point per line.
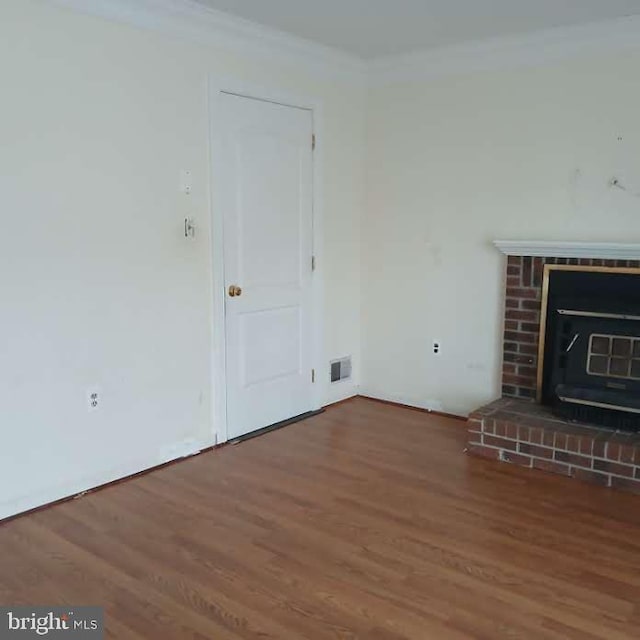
x=234 y=291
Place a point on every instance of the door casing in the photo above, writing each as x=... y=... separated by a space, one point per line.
x=216 y=86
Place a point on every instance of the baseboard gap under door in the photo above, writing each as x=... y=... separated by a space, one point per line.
x=276 y=426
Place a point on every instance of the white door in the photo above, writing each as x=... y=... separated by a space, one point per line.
x=267 y=211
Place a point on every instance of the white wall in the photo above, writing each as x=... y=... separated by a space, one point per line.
x=100 y=288
x=456 y=162
x=98 y=285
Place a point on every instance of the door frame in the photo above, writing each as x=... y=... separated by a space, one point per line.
x=217 y=85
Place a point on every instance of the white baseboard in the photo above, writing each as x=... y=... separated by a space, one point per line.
x=77 y=486
x=398 y=398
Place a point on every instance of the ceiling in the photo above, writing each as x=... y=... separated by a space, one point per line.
x=376 y=28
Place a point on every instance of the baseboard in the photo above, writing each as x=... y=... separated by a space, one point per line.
x=79 y=488
x=343 y=401
x=339 y=391
x=394 y=403
x=25 y=506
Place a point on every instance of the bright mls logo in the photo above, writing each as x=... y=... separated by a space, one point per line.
x=81 y=623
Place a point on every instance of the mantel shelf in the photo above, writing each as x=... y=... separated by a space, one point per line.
x=553 y=249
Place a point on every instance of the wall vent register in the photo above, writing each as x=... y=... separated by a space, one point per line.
x=341 y=369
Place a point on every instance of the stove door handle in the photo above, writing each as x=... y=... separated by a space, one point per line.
x=572 y=343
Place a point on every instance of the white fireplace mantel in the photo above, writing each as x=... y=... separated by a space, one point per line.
x=553 y=249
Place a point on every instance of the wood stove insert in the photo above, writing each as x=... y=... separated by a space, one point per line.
x=590 y=345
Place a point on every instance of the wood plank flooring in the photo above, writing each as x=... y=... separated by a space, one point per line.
x=367 y=521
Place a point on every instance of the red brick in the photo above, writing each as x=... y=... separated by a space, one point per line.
x=514 y=261
x=501 y=443
x=527 y=316
x=531 y=349
x=551 y=466
x=536 y=436
x=520 y=336
x=625 y=484
x=520 y=359
x=509 y=368
x=592 y=477
x=628 y=454
x=523 y=433
x=538 y=265
x=516 y=458
x=533 y=327
x=535 y=450
x=511 y=325
x=500 y=428
x=512 y=270
x=527 y=267
x=512 y=303
x=512 y=431
x=530 y=372
x=613 y=451
x=519 y=381
x=531 y=304
x=572 y=458
x=613 y=467
x=523 y=292
x=484 y=452
x=474 y=424
x=599 y=447
x=573 y=444
x=538 y=440
x=586 y=446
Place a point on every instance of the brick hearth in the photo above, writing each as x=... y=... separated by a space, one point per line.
x=527 y=434
x=516 y=430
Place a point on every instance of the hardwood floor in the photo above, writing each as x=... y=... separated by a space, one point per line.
x=367 y=521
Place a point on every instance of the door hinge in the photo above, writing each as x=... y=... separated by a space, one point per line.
x=313 y=375
x=313 y=142
x=313 y=263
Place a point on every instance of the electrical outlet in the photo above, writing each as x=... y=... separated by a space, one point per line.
x=94 y=399
x=436 y=347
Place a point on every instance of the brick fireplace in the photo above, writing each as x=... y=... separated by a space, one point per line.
x=517 y=428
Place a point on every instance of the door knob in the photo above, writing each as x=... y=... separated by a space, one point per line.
x=234 y=290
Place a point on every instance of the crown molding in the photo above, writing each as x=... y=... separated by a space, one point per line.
x=194 y=22
x=597 y=250
x=512 y=52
